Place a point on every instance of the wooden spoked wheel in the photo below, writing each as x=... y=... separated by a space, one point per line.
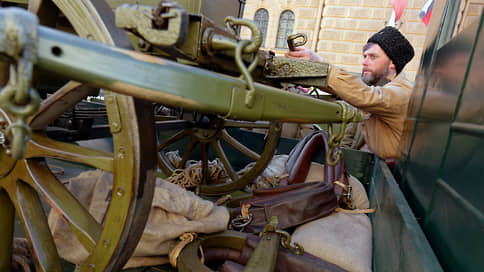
x=211 y=133
x=25 y=182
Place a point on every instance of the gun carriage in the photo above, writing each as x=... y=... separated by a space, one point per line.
x=188 y=64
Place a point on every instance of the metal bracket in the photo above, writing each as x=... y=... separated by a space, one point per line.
x=297 y=71
x=165 y=26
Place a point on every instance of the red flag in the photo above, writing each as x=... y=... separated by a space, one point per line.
x=398 y=7
x=426 y=12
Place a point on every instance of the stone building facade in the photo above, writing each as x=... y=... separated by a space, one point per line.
x=338 y=29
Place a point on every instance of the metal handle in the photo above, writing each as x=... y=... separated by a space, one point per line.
x=291 y=41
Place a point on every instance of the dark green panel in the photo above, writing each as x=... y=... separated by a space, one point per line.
x=442 y=17
x=455 y=220
x=360 y=164
x=456 y=229
x=216 y=10
x=398 y=243
x=437 y=112
x=462 y=169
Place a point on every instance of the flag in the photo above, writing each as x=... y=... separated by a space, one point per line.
x=398 y=7
x=426 y=12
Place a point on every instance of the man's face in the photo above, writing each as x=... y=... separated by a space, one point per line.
x=376 y=65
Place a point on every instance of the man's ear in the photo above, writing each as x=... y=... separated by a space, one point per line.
x=391 y=68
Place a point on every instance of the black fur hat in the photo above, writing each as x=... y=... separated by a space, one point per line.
x=395 y=45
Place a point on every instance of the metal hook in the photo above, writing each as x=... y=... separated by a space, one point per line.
x=292 y=44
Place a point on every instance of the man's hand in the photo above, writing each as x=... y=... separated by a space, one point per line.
x=303 y=53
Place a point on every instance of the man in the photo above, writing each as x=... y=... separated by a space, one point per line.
x=384 y=56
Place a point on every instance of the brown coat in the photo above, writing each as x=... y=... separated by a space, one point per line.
x=386 y=107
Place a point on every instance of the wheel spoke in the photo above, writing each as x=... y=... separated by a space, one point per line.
x=224 y=159
x=86 y=228
x=7 y=215
x=42 y=146
x=29 y=209
x=56 y=104
x=237 y=145
x=193 y=143
x=173 y=139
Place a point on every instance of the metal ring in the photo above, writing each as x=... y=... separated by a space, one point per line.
x=241 y=222
x=21 y=111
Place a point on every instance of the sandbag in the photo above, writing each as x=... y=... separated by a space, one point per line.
x=174 y=211
x=340 y=238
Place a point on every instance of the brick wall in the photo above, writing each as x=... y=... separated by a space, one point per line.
x=338 y=29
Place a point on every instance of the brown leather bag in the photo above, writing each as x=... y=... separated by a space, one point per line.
x=293 y=205
x=298 y=202
x=299 y=162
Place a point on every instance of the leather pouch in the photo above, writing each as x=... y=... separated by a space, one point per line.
x=298 y=202
x=293 y=205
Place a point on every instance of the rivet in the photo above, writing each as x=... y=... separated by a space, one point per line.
x=120 y=192
x=121 y=152
x=106 y=243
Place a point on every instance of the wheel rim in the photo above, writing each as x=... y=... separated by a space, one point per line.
x=211 y=133
x=132 y=165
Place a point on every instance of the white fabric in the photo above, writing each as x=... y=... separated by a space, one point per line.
x=174 y=211
x=342 y=239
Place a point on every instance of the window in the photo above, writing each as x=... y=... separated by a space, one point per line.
x=286 y=25
x=261 y=19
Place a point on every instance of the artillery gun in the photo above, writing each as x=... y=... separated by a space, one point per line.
x=135 y=81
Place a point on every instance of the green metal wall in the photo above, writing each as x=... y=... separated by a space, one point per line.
x=441 y=176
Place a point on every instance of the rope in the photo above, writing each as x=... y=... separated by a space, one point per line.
x=223 y=200
x=244 y=211
x=372 y=210
x=191 y=176
x=21 y=254
x=339 y=183
x=185 y=238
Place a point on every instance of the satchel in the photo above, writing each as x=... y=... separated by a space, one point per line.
x=298 y=202
x=293 y=205
x=299 y=162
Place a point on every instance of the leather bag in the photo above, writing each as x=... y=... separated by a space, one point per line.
x=298 y=202
x=293 y=205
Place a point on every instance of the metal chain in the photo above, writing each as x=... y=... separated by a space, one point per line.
x=18 y=36
x=332 y=156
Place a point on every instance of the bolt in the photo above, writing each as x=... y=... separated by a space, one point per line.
x=120 y=192
x=106 y=243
